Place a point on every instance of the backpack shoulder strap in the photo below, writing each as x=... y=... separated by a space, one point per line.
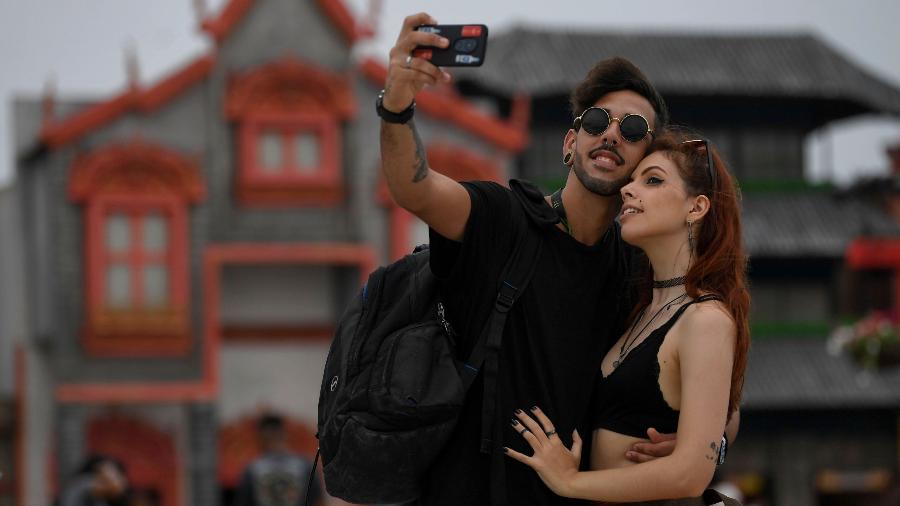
x=513 y=280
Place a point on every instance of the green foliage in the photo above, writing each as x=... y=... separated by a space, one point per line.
x=776 y=329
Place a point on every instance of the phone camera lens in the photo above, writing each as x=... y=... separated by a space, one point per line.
x=465 y=45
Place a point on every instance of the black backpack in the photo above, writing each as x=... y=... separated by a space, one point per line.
x=392 y=388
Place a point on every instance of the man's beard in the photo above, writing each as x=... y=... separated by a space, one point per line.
x=598 y=186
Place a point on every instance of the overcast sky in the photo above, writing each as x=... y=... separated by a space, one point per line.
x=79 y=46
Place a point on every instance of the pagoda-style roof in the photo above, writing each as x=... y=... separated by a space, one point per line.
x=812 y=223
x=544 y=62
x=800 y=373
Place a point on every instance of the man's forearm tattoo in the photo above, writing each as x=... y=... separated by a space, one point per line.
x=714 y=457
x=421 y=161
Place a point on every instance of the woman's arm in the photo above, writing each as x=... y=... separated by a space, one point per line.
x=661 y=445
x=705 y=353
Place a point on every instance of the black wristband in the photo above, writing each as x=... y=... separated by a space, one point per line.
x=401 y=117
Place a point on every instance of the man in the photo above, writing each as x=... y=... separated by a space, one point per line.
x=278 y=477
x=101 y=481
x=563 y=323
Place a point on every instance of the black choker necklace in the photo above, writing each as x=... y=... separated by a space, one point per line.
x=668 y=283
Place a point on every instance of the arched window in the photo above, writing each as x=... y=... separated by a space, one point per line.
x=289 y=117
x=136 y=198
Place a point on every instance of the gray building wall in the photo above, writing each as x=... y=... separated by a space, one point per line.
x=273 y=31
x=41 y=416
x=793 y=301
x=11 y=329
x=283 y=377
x=279 y=295
x=36 y=426
x=203 y=433
x=12 y=295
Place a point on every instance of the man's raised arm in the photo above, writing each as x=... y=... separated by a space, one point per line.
x=436 y=199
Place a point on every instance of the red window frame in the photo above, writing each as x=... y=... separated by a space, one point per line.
x=137 y=330
x=291 y=186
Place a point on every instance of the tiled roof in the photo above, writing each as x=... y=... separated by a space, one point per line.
x=802 y=374
x=811 y=223
x=221 y=25
x=136 y=98
x=542 y=62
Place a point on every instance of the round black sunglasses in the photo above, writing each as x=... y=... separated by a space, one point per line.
x=595 y=121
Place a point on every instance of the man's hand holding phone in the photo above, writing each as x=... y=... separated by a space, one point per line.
x=407 y=74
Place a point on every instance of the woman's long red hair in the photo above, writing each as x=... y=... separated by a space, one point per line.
x=720 y=265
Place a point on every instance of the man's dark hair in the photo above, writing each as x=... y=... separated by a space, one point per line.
x=615 y=74
x=93 y=462
x=270 y=423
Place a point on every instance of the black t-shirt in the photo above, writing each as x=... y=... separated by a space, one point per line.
x=553 y=343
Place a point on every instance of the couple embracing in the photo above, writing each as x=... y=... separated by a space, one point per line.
x=623 y=360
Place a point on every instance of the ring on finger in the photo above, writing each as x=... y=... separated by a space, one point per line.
x=523 y=431
x=550 y=433
x=408 y=61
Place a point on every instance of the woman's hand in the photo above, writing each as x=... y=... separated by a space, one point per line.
x=554 y=463
x=660 y=445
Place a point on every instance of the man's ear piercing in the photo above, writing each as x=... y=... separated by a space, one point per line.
x=568 y=158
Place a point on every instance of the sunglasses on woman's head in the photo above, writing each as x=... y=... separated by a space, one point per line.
x=595 y=121
x=711 y=169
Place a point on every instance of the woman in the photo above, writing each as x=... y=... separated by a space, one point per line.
x=680 y=365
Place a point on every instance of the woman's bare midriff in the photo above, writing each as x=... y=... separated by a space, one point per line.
x=609 y=449
x=612 y=447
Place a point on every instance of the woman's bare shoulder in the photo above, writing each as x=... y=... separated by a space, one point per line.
x=707 y=318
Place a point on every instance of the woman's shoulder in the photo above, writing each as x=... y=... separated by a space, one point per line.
x=707 y=316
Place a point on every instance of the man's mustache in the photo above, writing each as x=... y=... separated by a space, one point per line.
x=610 y=148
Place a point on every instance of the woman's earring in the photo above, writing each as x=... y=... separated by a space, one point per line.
x=690 y=225
x=568 y=158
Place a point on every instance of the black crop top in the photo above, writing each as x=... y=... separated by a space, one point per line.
x=629 y=400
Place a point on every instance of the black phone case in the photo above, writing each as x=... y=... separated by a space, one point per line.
x=467 y=48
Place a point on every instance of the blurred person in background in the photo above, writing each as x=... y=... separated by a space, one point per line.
x=278 y=477
x=101 y=481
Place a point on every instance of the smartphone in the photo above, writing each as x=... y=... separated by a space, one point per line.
x=468 y=44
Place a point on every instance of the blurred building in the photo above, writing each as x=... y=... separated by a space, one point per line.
x=10 y=331
x=816 y=427
x=179 y=252
x=188 y=245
